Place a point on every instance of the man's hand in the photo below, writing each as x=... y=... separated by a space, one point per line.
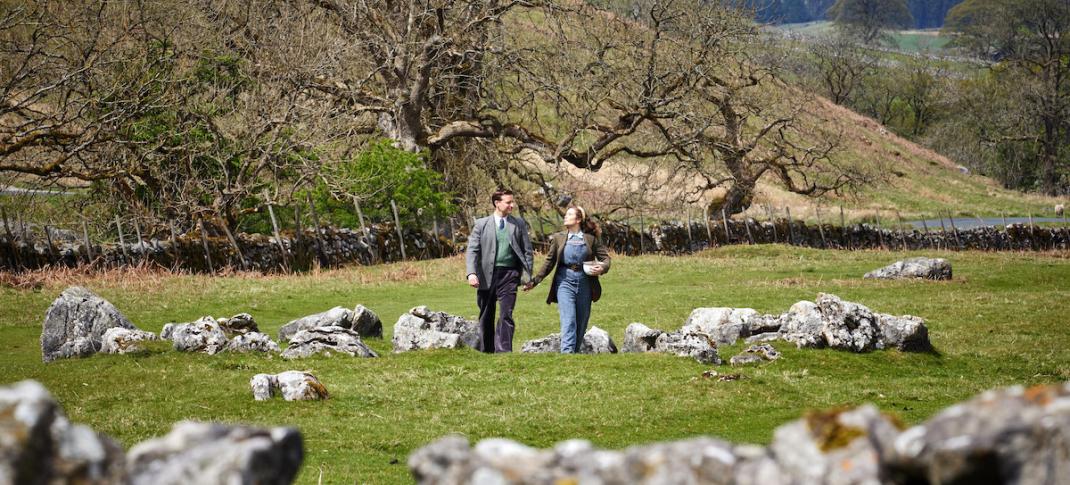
x=473 y=280
x=529 y=285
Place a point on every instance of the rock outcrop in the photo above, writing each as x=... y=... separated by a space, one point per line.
x=422 y=329
x=914 y=268
x=119 y=340
x=327 y=341
x=595 y=341
x=291 y=385
x=1012 y=436
x=204 y=335
x=75 y=324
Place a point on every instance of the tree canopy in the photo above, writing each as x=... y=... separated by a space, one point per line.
x=868 y=19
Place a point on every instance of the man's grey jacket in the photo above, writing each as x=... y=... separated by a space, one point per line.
x=483 y=247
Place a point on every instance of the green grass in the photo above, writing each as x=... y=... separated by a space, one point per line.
x=1001 y=321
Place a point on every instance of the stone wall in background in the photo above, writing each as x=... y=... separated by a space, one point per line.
x=337 y=247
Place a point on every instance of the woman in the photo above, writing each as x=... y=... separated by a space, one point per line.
x=573 y=290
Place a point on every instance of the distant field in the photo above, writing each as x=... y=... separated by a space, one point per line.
x=1001 y=321
x=908 y=41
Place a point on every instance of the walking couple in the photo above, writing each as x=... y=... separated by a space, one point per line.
x=500 y=256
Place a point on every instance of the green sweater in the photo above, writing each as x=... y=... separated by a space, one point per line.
x=504 y=255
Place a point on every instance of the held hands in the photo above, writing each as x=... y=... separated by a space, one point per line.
x=473 y=280
x=529 y=285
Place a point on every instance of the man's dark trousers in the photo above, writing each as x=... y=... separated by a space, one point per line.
x=502 y=290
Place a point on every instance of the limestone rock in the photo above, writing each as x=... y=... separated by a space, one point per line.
x=726 y=325
x=119 y=340
x=239 y=324
x=209 y=453
x=925 y=268
x=595 y=341
x=75 y=323
x=763 y=338
x=640 y=338
x=1012 y=435
x=204 y=335
x=745 y=359
x=699 y=347
x=264 y=386
x=253 y=342
x=755 y=354
x=834 y=447
x=366 y=323
x=802 y=325
x=335 y=317
x=327 y=340
x=168 y=331
x=39 y=445
x=848 y=326
x=906 y=333
x=422 y=329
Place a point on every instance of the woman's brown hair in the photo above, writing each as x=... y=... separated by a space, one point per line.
x=586 y=224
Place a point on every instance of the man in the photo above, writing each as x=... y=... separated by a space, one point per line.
x=498 y=258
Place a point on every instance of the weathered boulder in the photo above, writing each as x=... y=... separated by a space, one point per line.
x=595 y=341
x=119 y=340
x=763 y=337
x=239 y=324
x=726 y=325
x=848 y=326
x=905 y=333
x=1012 y=435
x=755 y=354
x=204 y=335
x=207 y=453
x=451 y=460
x=834 y=447
x=926 y=268
x=803 y=324
x=252 y=342
x=264 y=386
x=422 y=329
x=39 y=445
x=699 y=347
x=168 y=331
x=75 y=323
x=640 y=338
x=335 y=317
x=327 y=341
x=292 y=385
x=366 y=323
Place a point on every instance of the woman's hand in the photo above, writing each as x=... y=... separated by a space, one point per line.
x=529 y=285
x=597 y=269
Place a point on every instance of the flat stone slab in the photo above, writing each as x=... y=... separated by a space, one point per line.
x=914 y=268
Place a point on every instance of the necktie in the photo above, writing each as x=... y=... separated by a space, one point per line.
x=501 y=224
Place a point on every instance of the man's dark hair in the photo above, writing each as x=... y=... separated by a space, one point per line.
x=498 y=194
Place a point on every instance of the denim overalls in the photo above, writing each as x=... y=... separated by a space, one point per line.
x=573 y=294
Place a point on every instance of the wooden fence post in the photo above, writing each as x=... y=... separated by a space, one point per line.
x=320 y=253
x=140 y=246
x=204 y=242
x=746 y=225
x=880 y=232
x=927 y=239
x=902 y=235
x=275 y=230
x=820 y=227
x=11 y=240
x=951 y=219
x=397 y=225
x=1032 y=233
x=791 y=232
x=51 y=247
x=727 y=232
x=642 y=227
x=88 y=244
x=122 y=243
x=299 y=235
x=844 y=242
x=706 y=216
x=234 y=242
x=772 y=220
x=175 y=253
x=690 y=240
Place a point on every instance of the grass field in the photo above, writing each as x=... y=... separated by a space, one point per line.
x=1001 y=321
